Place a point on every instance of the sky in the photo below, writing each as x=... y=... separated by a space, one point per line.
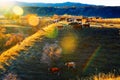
x=96 y=2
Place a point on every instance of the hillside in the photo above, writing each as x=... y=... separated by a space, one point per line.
x=96 y=50
x=102 y=11
x=14 y=51
x=52 y=4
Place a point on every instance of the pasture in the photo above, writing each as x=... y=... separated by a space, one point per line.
x=95 y=50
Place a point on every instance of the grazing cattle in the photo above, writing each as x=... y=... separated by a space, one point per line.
x=54 y=70
x=70 y=20
x=87 y=25
x=70 y=64
x=59 y=27
x=76 y=25
x=55 y=21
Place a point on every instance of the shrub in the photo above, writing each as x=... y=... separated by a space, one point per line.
x=11 y=76
x=14 y=39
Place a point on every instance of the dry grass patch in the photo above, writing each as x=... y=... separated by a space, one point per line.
x=103 y=76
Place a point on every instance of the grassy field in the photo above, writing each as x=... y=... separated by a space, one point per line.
x=96 y=51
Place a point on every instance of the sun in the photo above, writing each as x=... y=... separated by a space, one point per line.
x=18 y=10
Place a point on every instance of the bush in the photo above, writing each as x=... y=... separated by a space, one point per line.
x=11 y=76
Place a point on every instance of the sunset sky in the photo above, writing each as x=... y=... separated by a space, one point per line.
x=96 y=2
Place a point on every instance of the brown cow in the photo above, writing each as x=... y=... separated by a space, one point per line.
x=55 y=70
x=76 y=25
x=59 y=27
x=87 y=25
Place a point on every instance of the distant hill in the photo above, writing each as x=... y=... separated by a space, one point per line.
x=101 y=11
x=68 y=4
x=72 y=8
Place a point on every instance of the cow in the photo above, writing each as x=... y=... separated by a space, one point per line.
x=54 y=70
x=86 y=25
x=70 y=65
x=76 y=25
x=59 y=27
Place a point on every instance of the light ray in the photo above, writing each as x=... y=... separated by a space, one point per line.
x=90 y=60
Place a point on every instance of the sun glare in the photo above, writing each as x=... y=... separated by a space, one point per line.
x=33 y=20
x=69 y=43
x=18 y=10
x=5 y=4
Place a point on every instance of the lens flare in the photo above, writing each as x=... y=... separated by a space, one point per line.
x=90 y=60
x=4 y=4
x=18 y=10
x=33 y=20
x=53 y=33
x=69 y=43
